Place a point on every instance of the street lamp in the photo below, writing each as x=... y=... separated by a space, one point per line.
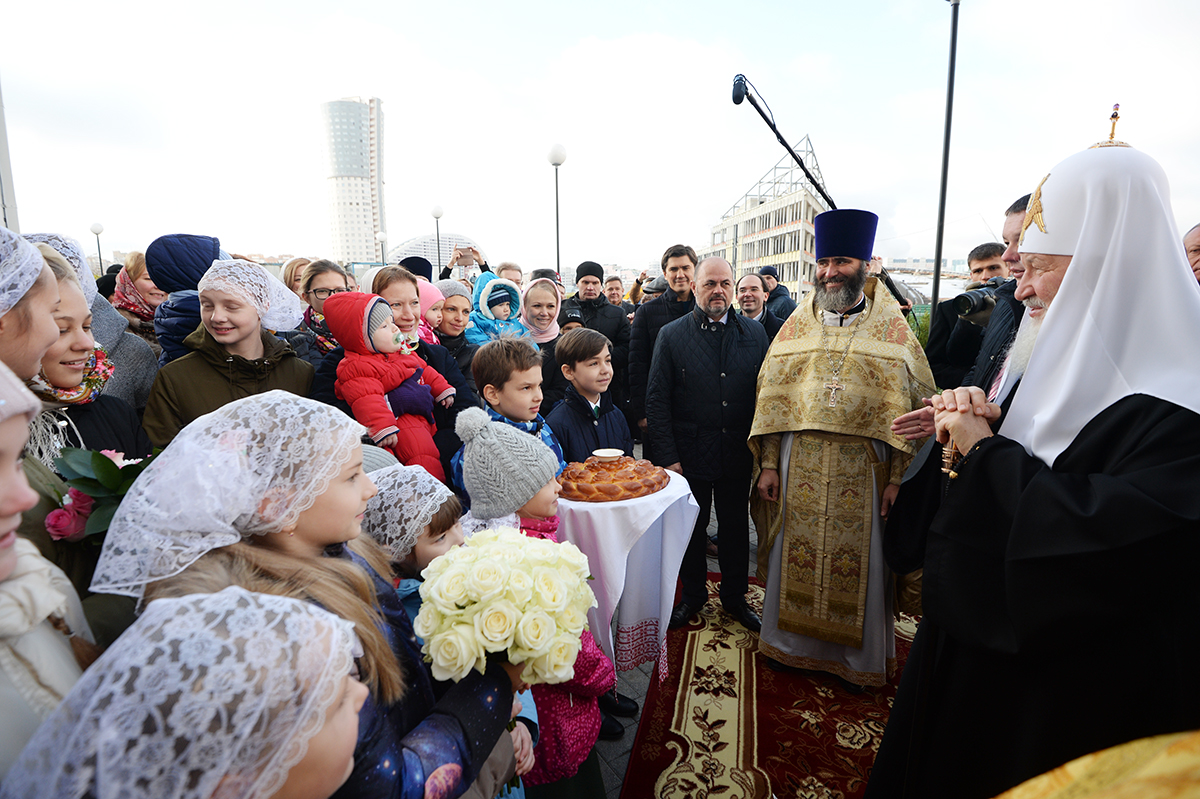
x=97 y=229
x=557 y=156
x=437 y=215
x=381 y=237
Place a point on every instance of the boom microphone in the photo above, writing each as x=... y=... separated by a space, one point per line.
x=739 y=89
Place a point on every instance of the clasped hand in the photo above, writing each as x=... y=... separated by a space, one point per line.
x=964 y=415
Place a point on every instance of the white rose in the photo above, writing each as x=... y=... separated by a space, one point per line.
x=486 y=580
x=447 y=590
x=549 y=590
x=496 y=625
x=573 y=558
x=428 y=621
x=453 y=652
x=584 y=597
x=535 y=633
x=572 y=620
x=519 y=588
x=558 y=664
x=481 y=537
x=538 y=551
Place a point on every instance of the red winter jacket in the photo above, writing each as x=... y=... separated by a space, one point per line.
x=364 y=377
x=568 y=713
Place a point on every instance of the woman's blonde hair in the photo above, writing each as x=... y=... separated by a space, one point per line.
x=315 y=268
x=135 y=264
x=293 y=266
x=339 y=586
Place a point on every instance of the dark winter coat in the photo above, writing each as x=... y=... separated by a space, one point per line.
x=134 y=363
x=554 y=384
x=463 y=352
x=953 y=345
x=780 y=302
x=208 y=377
x=647 y=322
x=770 y=322
x=580 y=434
x=1001 y=329
x=701 y=393
x=604 y=317
x=175 y=264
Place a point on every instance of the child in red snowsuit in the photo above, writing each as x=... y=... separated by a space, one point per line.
x=378 y=359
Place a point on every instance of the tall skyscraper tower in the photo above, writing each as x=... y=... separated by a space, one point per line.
x=354 y=133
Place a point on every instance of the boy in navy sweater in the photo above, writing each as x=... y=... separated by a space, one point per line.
x=587 y=419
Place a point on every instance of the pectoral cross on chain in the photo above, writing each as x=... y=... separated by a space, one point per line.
x=834 y=387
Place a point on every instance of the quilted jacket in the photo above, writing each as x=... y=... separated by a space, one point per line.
x=176 y=263
x=700 y=398
x=647 y=322
x=364 y=377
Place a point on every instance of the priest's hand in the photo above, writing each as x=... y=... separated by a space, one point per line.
x=888 y=499
x=915 y=424
x=675 y=467
x=768 y=485
x=965 y=415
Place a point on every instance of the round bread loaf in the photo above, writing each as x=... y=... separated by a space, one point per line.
x=624 y=478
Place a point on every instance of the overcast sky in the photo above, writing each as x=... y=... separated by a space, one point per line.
x=156 y=118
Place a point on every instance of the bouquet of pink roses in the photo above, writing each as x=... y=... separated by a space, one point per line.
x=97 y=482
x=502 y=594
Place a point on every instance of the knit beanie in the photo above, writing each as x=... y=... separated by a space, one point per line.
x=418 y=266
x=378 y=315
x=589 y=268
x=452 y=288
x=503 y=467
x=573 y=315
x=497 y=296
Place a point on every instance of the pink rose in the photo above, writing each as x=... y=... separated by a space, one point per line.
x=64 y=525
x=114 y=456
x=78 y=502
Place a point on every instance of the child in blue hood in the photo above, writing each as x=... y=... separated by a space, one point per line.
x=489 y=319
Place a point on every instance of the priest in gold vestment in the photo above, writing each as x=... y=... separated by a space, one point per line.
x=827 y=465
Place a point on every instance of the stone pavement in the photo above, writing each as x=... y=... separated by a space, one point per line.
x=614 y=755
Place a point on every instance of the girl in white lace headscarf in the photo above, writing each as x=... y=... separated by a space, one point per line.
x=39 y=609
x=268 y=493
x=28 y=294
x=232 y=694
x=233 y=353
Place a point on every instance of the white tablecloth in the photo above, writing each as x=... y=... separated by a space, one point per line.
x=634 y=548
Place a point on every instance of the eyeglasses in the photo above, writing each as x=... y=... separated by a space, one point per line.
x=324 y=294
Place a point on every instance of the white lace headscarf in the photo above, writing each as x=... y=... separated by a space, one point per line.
x=1128 y=307
x=278 y=306
x=407 y=500
x=249 y=468
x=209 y=695
x=69 y=248
x=20 y=266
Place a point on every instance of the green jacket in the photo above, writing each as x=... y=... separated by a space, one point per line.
x=209 y=377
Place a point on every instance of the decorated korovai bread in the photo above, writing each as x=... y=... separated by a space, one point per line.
x=597 y=480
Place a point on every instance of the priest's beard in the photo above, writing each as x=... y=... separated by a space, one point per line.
x=840 y=299
x=1022 y=346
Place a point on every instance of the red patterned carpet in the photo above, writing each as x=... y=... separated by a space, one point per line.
x=724 y=725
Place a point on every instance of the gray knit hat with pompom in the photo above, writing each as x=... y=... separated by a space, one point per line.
x=503 y=467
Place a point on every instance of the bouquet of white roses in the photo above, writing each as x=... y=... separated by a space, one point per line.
x=505 y=594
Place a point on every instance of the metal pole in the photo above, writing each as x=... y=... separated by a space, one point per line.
x=941 y=222
x=99 y=255
x=8 y=194
x=557 y=243
x=437 y=226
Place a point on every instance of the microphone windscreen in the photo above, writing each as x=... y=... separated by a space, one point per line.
x=739 y=90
